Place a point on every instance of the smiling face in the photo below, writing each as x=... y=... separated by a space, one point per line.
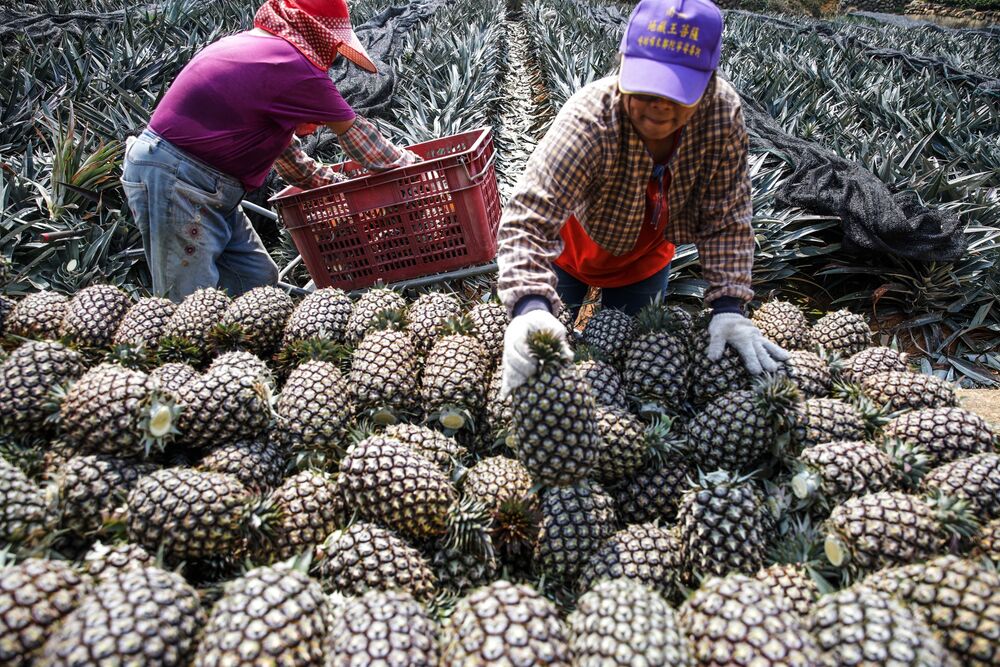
x=656 y=118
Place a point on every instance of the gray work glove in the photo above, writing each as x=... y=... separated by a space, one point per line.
x=758 y=353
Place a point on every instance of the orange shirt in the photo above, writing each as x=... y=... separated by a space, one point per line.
x=589 y=263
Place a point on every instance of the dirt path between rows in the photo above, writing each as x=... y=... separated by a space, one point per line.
x=984 y=402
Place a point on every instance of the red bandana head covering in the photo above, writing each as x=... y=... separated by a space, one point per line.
x=319 y=29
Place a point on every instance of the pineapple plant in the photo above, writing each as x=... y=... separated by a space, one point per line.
x=367 y=308
x=307 y=507
x=603 y=380
x=145 y=322
x=35 y=596
x=610 y=331
x=792 y=585
x=93 y=315
x=385 y=370
x=644 y=553
x=27 y=511
x=174 y=375
x=784 y=324
x=653 y=493
x=118 y=411
x=102 y=560
x=945 y=434
x=258 y=464
x=382 y=628
x=37 y=316
x=254 y=321
x=725 y=526
x=737 y=428
x=489 y=325
x=91 y=489
x=224 y=404
x=908 y=391
x=810 y=373
x=27 y=378
x=435 y=446
x=364 y=557
x=140 y=615
x=477 y=632
x=974 y=479
x=455 y=378
x=889 y=528
x=870 y=361
x=621 y=622
x=323 y=314
x=428 y=317
x=658 y=358
x=313 y=411
x=863 y=626
x=576 y=520
x=268 y=616
x=709 y=379
x=554 y=417
x=958 y=598
x=843 y=332
x=737 y=620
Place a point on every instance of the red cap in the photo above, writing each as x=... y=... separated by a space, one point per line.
x=325 y=8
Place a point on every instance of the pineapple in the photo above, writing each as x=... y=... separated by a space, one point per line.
x=38 y=315
x=382 y=628
x=432 y=445
x=258 y=464
x=459 y=572
x=644 y=553
x=173 y=376
x=189 y=514
x=309 y=507
x=225 y=404
x=891 y=528
x=819 y=420
x=244 y=362
x=553 y=417
x=904 y=390
x=620 y=622
x=35 y=595
x=605 y=383
x=145 y=322
x=975 y=479
x=791 y=585
x=988 y=543
x=960 y=600
x=6 y=307
x=453 y=384
x=314 y=410
x=91 y=488
x=428 y=316
x=945 y=434
x=653 y=493
x=738 y=428
x=499 y=414
x=367 y=308
x=810 y=373
x=268 y=616
x=658 y=359
x=102 y=561
x=629 y=444
x=255 y=321
x=610 y=331
x=863 y=626
x=196 y=315
x=27 y=512
x=505 y=624
x=139 y=616
x=843 y=332
x=737 y=620
x=93 y=314
x=576 y=520
x=385 y=370
x=709 y=379
x=725 y=526
x=783 y=323
x=872 y=360
x=27 y=377
x=323 y=314
x=118 y=411
x=489 y=325
x=496 y=480
x=364 y=557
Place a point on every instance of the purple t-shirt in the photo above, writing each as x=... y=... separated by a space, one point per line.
x=235 y=106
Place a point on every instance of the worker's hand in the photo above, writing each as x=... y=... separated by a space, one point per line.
x=518 y=362
x=407 y=158
x=758 y=353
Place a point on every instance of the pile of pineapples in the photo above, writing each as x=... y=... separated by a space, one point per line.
x=259 y=481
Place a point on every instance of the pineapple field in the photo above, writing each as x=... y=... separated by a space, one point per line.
x=316 y=477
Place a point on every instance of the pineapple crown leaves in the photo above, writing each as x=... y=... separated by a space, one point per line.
x=656 y=317
x=468 y=525
x=776 y=396
x=458 y=326
x=135 y=356
x=390 y=320
x=910 y=460
x=227 y=336
x=548 y=348
x=954 y=515
x=584 y=352
x=298 y=352
x=180 y=349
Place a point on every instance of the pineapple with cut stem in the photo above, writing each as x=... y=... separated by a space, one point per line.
x=870 y=361
x=455 y=378
x=945 y=434
x=629 y=444
x=324 y=314
x=382 y=627
x=314 y=411
x=93 y=314
x=554 y=417
x=385 y=370
x=225 y=404
x=254 y=321
x=576 y=520
x=145 y=322
x=185 y=336
x=843 y=332
x=908 y=391
x=367 y=308
x=658 y=359
x=783 y=323
x=428 y=317
x=306 y=508
x=974 y=479
x=815 y=421
x=37 y=316
x=27 y=379
x=644 y=553
x=610 y=331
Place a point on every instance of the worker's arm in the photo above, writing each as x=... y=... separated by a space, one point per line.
x=300 y=170
x=364 y=144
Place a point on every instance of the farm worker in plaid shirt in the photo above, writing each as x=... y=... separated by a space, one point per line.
x=229 y=116
x=632 y=165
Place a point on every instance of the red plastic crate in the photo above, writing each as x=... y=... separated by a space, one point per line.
x=434 y=216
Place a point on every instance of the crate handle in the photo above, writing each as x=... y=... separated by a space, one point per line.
x=486 y=168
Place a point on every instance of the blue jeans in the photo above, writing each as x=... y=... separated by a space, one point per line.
x=630 y=298
x=193 y=230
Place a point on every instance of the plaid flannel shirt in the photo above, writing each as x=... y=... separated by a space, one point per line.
x=593 y=164
x=363 y=143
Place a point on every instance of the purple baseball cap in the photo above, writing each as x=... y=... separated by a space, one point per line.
x=670 y=49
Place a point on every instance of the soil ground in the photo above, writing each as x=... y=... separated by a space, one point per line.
x=984 y=402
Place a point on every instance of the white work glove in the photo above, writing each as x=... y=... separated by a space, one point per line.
x=759 y=354
x=518 y=362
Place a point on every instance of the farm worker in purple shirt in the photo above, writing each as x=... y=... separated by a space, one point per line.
x=229 y=116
